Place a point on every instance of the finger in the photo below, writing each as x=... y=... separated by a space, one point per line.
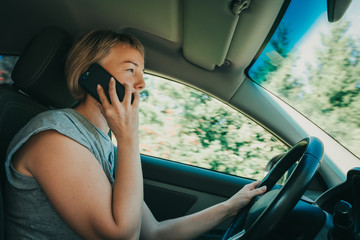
x=257 y=191
x=103 y=99
x=136 y=98
x=127 y=96
x=112 y=92
x=261 y=190
x=253 y=185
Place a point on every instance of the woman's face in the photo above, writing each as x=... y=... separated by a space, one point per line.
x=126 y=64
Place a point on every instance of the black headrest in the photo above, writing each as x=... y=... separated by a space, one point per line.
x=39 y=72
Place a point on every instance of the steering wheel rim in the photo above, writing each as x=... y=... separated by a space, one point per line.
x=249 y=223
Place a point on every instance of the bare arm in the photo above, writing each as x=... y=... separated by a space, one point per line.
x=77 y=186
x=194 y=225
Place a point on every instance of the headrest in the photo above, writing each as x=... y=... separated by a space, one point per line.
x=39 y=72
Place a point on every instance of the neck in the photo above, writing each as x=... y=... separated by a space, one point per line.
x=90 y=110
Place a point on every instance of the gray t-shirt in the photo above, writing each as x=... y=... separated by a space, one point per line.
x=28 y=212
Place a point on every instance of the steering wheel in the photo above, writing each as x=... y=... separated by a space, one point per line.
x=265 y=212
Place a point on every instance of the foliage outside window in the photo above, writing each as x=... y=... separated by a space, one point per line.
x=318 y=71
x=185 y=125
x=188 y=126
x=6 y=65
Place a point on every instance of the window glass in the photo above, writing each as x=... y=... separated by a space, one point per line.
x=188 y=126
x=181 y=124
x=6 y=65
x=314 y=66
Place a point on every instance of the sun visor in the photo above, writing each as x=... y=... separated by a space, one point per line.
x=208 y=27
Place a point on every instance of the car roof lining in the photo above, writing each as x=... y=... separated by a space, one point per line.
x=166 y=45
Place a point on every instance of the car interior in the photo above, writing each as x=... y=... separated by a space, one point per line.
x=208 y=46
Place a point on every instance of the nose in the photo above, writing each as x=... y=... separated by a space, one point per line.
x=140 y=83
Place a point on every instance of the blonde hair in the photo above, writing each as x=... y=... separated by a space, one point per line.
x=89 y=49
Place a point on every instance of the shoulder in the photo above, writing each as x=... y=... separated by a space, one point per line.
x=58 y=128
x=54 y=117
x=63 y=121
x=50 y=119
x=54 y=123
x=52 y=144
x=49 y=150
x=41 y=122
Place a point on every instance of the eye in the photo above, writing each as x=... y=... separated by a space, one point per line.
x=130 y=70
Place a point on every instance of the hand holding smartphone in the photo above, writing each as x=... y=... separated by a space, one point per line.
x=95 y=75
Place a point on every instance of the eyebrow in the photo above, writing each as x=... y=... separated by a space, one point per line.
x=131 y=62
x=128 y=61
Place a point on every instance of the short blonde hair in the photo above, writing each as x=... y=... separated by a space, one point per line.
x=92 y=48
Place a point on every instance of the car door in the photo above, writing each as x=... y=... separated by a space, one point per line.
x=196 y=151
x=173 y=190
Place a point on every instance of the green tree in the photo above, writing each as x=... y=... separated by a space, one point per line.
x=6 y=65
x=336 y=85
x=189 y=126
x=288 y=85
x=331 y=89
x=280 y=46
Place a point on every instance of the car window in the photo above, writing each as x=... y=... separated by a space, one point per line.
x=6 y=66
x=182 y=124
x=188 y=126
x=314 y=66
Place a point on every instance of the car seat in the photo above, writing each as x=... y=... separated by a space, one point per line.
x=38 y=84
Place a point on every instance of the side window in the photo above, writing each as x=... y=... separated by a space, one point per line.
x=185 y=125
x=7 y=63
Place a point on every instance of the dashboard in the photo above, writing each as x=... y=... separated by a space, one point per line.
x=341 y=205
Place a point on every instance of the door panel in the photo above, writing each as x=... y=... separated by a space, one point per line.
x=164 y=199
x=173 y=189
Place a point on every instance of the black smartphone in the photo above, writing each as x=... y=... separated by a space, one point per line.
x=95 y=75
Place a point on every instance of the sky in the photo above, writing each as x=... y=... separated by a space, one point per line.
x=314 y=12
x=305 y=10
x=303 y=14
x=353 y=14
x=311 y=40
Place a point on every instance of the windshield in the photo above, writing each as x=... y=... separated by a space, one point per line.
x=314 y=66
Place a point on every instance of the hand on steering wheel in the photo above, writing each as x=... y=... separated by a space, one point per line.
x=261 y=216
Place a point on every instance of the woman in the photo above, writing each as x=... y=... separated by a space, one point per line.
x=60 y=165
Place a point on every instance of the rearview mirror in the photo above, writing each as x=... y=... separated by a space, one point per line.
x=336 y=9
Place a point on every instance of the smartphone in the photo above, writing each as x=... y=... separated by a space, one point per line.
x=95 y=75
